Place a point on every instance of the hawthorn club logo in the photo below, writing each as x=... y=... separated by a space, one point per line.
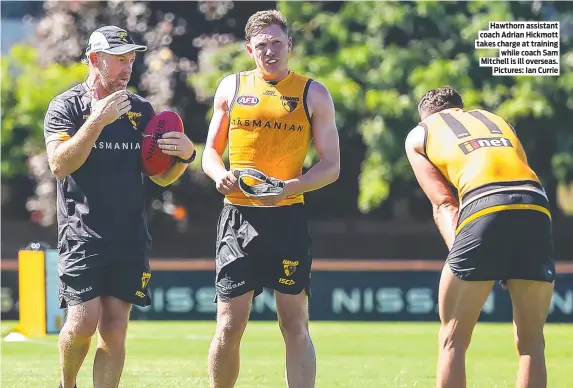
x=122 y=35
x=289 y=103
x=290 y=267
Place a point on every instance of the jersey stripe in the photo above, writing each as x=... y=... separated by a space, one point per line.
x=493 y=128
x=458 y=128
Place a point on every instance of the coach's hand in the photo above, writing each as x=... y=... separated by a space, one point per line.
x=227 y=183
x=176 y=144
x=111 y=107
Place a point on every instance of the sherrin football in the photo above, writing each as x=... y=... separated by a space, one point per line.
x=153 y=160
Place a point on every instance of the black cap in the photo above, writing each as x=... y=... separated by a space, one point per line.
x=112 y=40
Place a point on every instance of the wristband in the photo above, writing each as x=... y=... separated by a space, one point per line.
x=187 y=161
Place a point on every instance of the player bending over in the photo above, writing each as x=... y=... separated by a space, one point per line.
x=499 y=230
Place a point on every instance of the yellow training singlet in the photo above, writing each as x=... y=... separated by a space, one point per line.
x=269 y=130
x=475 y=148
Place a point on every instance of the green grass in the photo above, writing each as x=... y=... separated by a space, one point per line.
x=363 y=355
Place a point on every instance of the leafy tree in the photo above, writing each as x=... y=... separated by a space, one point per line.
x=26 y=92
x=378 y=58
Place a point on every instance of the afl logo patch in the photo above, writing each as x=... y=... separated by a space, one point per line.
x=248 y=100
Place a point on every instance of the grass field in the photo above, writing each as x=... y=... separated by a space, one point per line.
x=364 y=355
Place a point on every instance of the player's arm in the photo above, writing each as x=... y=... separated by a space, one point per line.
x=435 y=186
x=217 y=137
x=326 y=143
x=67 y=153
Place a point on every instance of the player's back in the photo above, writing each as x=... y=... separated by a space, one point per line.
x=503 y=230
x=476 y=151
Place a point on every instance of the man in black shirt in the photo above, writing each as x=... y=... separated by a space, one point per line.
x=93 y=136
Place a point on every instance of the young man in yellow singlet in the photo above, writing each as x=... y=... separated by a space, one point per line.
x=499 y=230
x=268 y=116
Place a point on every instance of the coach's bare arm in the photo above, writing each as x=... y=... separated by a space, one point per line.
x=217 y=138
x=326 y=143
x=444 y=204
x=66 y=156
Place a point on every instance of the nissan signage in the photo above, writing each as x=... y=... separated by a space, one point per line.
x=349 y=296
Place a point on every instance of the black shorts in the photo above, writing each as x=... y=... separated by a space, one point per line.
x=506 y=244
x=262 y=247
x=88 y=270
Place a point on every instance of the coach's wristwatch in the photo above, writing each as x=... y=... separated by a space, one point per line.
x=190 y=160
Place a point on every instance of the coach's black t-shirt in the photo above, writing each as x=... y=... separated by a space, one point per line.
x=103 y=200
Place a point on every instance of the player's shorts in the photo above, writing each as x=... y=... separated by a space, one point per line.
x=506 y=244
x=262 y=247
x=91 y=269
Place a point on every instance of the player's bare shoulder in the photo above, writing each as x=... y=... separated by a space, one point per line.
x=225 y=93
x=318 y=97
x=222 y=107
x=416 y=139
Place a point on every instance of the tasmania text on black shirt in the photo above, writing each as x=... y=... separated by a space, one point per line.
x=105 y=198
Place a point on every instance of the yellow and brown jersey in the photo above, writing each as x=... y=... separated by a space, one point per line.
x=269 y=129
x=476 y=150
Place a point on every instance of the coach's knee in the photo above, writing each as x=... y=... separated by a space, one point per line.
x=453 y=337
x=81 y=321
x=113 y=330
